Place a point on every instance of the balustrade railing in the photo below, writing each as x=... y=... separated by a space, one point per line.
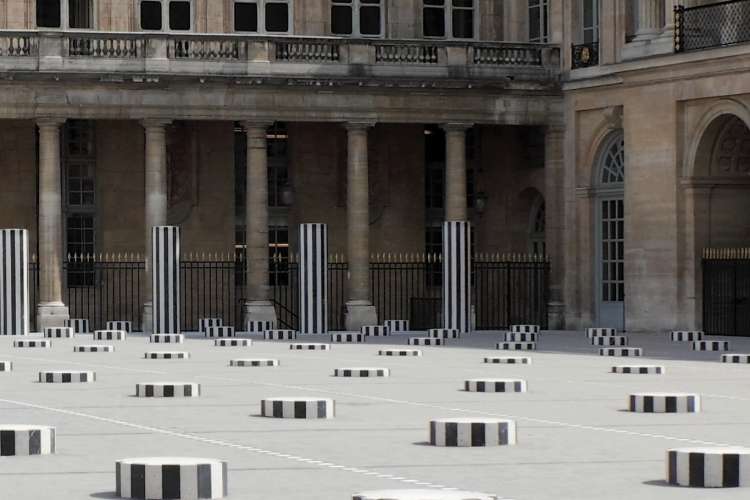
x=113 y=47
x=302 y=50
x=19 y=45
x=222 y=49
x=400 y=53
x=508 y=55
x=712 y=25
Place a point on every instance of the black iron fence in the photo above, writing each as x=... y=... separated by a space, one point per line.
x=726 y=291
x=584 y=55
x=713 y=25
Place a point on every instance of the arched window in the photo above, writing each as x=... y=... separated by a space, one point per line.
x=612 y=161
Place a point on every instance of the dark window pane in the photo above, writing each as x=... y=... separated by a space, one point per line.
x=434 y=22
x=48 y=13
x=79 y=14
x=151 y=15
x=179 y=15
x=277 y=17
x=463 y=23
x=245 y=16
x=341 y=20
x=369 y=20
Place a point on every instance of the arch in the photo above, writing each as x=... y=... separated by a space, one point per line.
x=702 y=140
x=610 y=166
x=527 y=207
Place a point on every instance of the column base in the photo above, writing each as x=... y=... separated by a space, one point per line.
x=555 y=316
x=147 y=318
x=51 y=314
x=359 y=313
x=259 y=310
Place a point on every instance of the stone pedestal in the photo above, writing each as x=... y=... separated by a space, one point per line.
x=147 y=318
x=358 y=314
x=259 y=310
x=51 y=315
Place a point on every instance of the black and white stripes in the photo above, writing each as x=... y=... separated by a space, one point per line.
x=361 y=372
x=168 y=390
x=66 y=377
x=711 y=345
x=205 y=323
x=313 y=278
x=259 y=326
x=6 y=366
x=600 y=332
x=110 y=335
x=516 y=346
x=639 y=369
x=59 y=332
x=166 y=355
x=308 y=408
x=508 y=360
x=32 y=343
x=14 y=282
x=279 y=335
x=444 y=333
x=400 y=352
x=457 y=275
x=219 y=332
x=170 y=477
x=709 y=467
x=347 y=338
x=397 y=325
x=735 y=358
x=233 y=342
x=94 y=348
x=165 y=277
x=19 y=440
x=426 y=341
x=253 y=362
x=658 y=402
x=686 y=335
x=626 y=352
x=467 y=432
x=309 y=346
x=167 y=338
x=612 y=341
x=79 y=325
x=125 y=326
x=495 y=385
x=375 y=331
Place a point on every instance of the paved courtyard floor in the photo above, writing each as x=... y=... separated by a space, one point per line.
x=575 y=439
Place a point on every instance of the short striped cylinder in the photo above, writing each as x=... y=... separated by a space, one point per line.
x=400 y=352
x=166 y=355
x=457 y=275
x=516 y=346
x=307 y=408
x=6 y=366
x=639 y=369
x=33 y=343
x=259 y=326
x=600 y=332
x=711 y=345
x=14 y=282
x=253 y=362
x=66 y=377
x=426 y=341
x=444 y=333
x=422 y=495
x=110 y=335
x=24 y=440
x=508 y=360
x=624 y=352
x=467 y=432
x=735 y=358
x=59 y=332
x=375 y=331
x=524 y=328
x=613 y=341
x=521 y=337
x=685 y=336
x=167 y=338
x=310 y=346
x=397 y=325
x=280 y=335
x=347 y=338
x=361 y=372
x=125 y=326
x=709 y=467
x=313 y=278
x=165 y=278
x=233 y=343
x=206 y=323
x=79 y=325
x=94 y=348
x=168 y=390
x=170 y=477
x=494 y=385
x=219 y=332
x=659 y=402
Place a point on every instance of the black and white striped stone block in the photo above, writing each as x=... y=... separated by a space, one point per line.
x=600 y=332
x=94 y=348
x=685 y=336
x=308 y=408
x=521 y=337
x=400 y=352
x=125 y=326
x=639 y=369
x=79 y=325
x=6 y=366
x=466 y=432
x=347 y=338
x=457 y=275
x=167 y=338
x=709 y=467
x=309 y=346
x=444 y=333
x=426 y=341
x=59 y=332
x=422 y=495
x=625 y=352
x=375 y=331
x=735 y=358
x=508 y=360
x=23 y=440
x=233 y=343
x=397 y=325
x=170 y=477
x=66 y=377
x=219 y=332
x=313 y=278
x=711 y=345
x=110 y=335
x=259 y=326
x=168 y=390
x=166 y=355
x=613 y=341
x=361 y=372
x=494 y=385
x=280 y=335
x=14 y=282
x=660 y=402
x=253 y=362
x=516 y=346
x=524 y=328
x=165 y=278
x=33 y=343
x=205 y=323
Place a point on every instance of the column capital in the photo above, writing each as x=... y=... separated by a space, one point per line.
x=159 y=123
x=249 y=125
x=359 y=125
x=456 y=126
x=50 y=121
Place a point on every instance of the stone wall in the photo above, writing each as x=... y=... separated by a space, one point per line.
x=18 y=171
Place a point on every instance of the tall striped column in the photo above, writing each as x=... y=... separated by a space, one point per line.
x=313 y=278
x=14 y=282
x=165 y=279
x=457 y=275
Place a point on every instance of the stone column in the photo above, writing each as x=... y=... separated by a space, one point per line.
x=649 y=25
x=51 y=311
x=359 y=309
x=455 y=172
x=554 y=223
x=156 y=201
x=259 y=306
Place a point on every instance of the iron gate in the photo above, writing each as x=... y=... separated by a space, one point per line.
x=726 y=291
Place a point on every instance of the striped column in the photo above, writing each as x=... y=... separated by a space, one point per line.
x=14 y=282
x=313 y=278
x=165 y=279
x=457 y=276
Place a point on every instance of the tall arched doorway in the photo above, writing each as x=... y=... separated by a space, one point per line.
x=609 y=232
